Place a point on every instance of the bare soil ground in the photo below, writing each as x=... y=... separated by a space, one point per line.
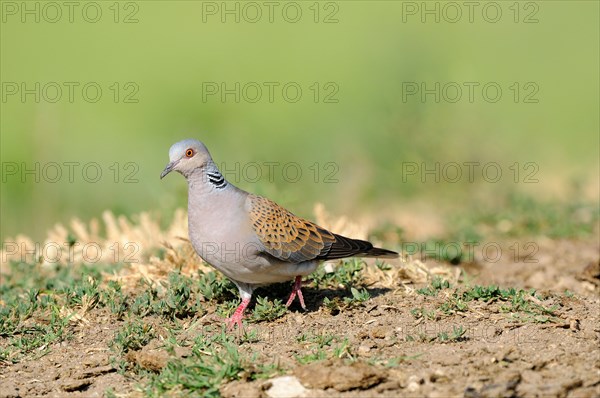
x=395 y=343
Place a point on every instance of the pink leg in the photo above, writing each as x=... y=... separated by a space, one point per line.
x=296 y=291
x=237 y=316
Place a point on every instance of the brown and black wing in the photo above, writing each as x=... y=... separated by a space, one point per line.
x=294 y=239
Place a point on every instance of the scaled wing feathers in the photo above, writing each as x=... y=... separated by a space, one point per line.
x=294 y=239
x=286 y=236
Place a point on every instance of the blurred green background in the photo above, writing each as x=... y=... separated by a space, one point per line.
x=370 y=132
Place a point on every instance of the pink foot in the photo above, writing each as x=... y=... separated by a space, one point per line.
x=296 y=291
x=236 y=318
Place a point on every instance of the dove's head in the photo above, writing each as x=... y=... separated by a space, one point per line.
x=186 y=157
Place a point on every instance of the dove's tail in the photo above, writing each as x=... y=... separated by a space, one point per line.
x=348 y=247
x=382 y=253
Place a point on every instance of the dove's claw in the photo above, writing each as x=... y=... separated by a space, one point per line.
x=236 y=318
x=296 y=291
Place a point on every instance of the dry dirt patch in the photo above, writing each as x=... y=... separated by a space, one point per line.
x=398 y=342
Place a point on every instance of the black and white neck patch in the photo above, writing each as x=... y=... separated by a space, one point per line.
x=216 y=179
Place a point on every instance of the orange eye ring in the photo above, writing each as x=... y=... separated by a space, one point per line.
x=189 y=153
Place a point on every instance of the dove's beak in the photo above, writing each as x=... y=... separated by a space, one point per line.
x=169 y=168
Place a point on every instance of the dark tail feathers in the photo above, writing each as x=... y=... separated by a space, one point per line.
x=347 y=247
x=379 y=252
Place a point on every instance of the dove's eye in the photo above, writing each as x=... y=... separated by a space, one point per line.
x=189 y=153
